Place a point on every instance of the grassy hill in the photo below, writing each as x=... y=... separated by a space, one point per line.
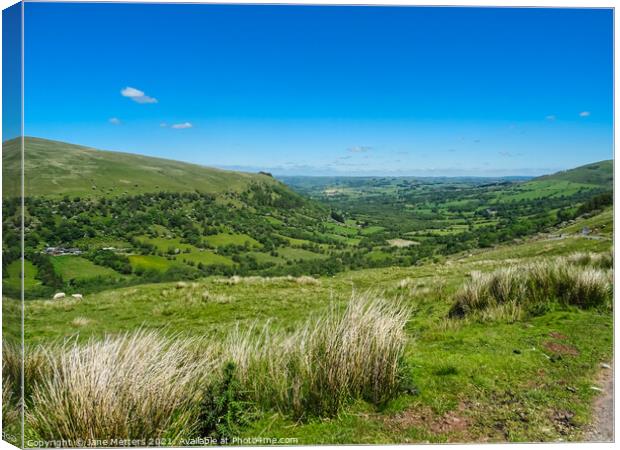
x=54 y=169
x=597 y=174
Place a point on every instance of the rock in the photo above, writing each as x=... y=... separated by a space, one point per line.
x=77 y=296
x=59 y=295
x=596 y=388
x=605 y=366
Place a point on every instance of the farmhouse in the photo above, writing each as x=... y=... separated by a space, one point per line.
x=61 y=251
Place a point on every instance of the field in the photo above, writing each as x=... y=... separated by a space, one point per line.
x=77 y=268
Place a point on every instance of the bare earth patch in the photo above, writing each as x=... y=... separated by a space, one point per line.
x=453 y=423
x=602 y=428
x=560 y=349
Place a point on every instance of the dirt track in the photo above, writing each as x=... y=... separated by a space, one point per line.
x=603 y=426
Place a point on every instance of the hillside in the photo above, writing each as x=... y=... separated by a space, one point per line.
x=56 y=169
x=496 y=378
x=597 y=174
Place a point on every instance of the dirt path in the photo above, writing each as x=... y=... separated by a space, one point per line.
x=602 y=429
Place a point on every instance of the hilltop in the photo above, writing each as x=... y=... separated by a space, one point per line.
x=55 y=169
x=596 y=174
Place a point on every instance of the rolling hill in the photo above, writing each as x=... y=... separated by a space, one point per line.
x=597 y=174
x=55 y=169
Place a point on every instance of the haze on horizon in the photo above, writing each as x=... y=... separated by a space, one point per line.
x=303 y=90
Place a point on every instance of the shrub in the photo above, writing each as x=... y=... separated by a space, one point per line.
x=223 y=409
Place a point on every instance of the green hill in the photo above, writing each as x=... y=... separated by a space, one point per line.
x=55 y=168
x=598 y=174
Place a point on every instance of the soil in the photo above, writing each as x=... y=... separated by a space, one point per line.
x=602 y=429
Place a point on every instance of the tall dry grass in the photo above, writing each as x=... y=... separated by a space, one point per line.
x=146 y=386
x=328 y=362
x=512 y=291
x=133 y=386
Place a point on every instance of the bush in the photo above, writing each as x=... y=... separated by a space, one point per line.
x=223 y=409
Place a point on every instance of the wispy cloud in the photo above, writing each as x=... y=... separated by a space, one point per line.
x=584 y=113
x=163 y=124
x=180 y=126
x=505 y=154
x=114 y=120
x=359 y=149
x=137 y=95
x=551 y=117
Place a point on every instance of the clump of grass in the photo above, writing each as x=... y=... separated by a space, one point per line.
x=327 y=363
x=137 y=386
x=603 y=260
x=510 y=292
x=80 y=321
x=147 y=386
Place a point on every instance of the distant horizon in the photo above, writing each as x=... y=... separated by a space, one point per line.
x=312 y=90
x=290 y=172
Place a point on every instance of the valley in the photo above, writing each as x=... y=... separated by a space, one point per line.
x=232 y=277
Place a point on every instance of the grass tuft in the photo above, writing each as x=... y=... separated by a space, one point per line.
x=513 y=291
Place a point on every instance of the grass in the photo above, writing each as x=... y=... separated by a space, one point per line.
x=165 y=244
x=224 y=239
x=78 y=268
x=145 y=386
x=14 y=270
x=150 y=262
x=294 y=254
x=512 y=290
x=56 y=168
x=205 y=257
x=505 y=380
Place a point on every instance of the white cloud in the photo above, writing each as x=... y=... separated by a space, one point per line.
x=551 y=117
x=506 y=154
x=163 y=124
x=359 y=149
x=584 y=113
x=179 y=126
x=114 y=120
x=137 y=95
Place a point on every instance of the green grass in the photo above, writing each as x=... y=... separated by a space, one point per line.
x=294 y=241
x=78 y=268
x=164 y=244
x=262 y=258
x=224 y=239
x=501 y=379
x=602 y=224
x=341 y=229
x=13 y=281
x=204 y=257
x=150 y=262
x=294 y=254
x=378 y=255
x=56 y=168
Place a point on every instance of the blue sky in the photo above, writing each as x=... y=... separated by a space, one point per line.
x=326 y=90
